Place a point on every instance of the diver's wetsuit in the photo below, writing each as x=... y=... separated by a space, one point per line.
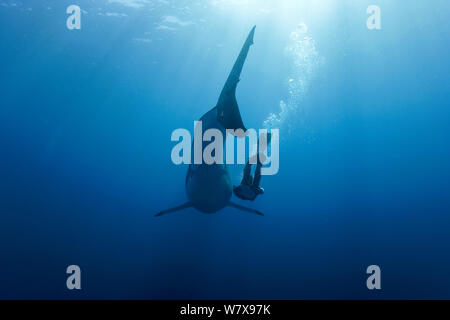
x=249 y=188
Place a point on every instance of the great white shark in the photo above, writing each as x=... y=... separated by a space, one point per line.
x=208 y=186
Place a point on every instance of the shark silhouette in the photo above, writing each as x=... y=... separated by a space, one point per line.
x=208 y=186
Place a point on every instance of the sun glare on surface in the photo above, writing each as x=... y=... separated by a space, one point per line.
x=283 y=11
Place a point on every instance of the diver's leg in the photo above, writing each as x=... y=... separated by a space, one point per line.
x=257 y=178
x=247 y=178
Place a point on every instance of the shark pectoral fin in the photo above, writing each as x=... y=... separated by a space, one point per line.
x=239 y=207
x=183 y=206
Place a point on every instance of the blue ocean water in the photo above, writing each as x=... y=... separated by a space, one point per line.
x=85 y=123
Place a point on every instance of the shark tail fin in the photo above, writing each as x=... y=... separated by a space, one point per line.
x=239 y=207
x=228 y=113
x=235 y=73
x=183 y=206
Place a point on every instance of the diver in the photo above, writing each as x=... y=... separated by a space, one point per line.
x=249 y=188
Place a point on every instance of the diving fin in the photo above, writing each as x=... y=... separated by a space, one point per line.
x=183 y=206
x=239 y=207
